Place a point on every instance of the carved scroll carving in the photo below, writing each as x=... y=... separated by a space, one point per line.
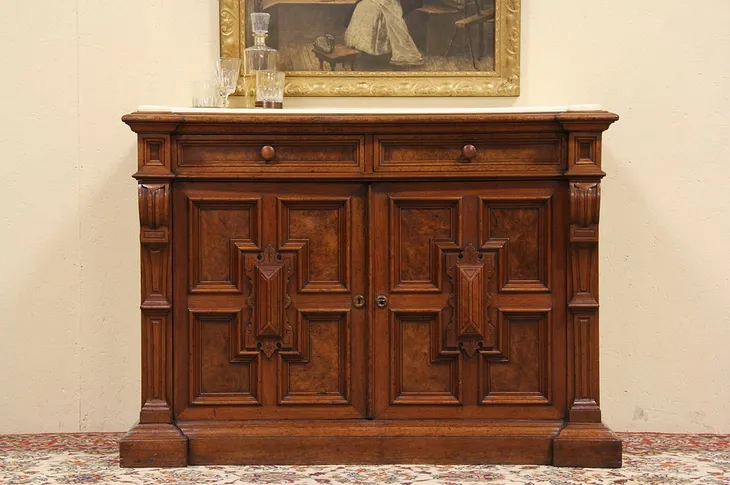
x=470 y=327
x=268 y=275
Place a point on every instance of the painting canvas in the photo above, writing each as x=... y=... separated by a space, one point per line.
x=386 y=47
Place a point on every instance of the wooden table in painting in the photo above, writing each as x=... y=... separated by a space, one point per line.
x=340 y=55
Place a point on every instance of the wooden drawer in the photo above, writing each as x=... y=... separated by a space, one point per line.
x=453 y=154
x=227 y=155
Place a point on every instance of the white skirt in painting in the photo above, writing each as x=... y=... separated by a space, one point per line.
x=377 y=28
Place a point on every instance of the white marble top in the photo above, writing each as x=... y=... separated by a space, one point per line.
x=394 y=111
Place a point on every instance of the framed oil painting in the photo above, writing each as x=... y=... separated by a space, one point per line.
x=385 y=47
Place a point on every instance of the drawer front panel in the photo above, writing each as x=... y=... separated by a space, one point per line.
x=270 y=154
x=470 y=153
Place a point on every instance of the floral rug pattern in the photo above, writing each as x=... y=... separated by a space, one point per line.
x=649 y=458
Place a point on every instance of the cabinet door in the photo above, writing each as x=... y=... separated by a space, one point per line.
x=470 y=304
x=268 y=322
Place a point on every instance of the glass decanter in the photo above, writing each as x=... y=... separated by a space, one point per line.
x=259 y=57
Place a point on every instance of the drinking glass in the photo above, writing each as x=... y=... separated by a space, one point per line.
x=226 y=73
x=206 y=94
x=269 y=89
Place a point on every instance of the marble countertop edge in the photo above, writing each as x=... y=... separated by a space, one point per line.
x=395 y=111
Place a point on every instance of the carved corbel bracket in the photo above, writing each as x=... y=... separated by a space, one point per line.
x=585 y=203
x=269 y=274
x=470 y=328
x=154 y=213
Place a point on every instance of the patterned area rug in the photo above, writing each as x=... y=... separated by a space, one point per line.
x=93 y=458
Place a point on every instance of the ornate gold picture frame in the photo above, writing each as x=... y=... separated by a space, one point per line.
x=451 y=47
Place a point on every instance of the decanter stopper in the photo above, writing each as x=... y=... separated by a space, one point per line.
x=260 y=22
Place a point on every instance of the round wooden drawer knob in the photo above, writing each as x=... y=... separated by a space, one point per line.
x=268 y=153
x=469 y=152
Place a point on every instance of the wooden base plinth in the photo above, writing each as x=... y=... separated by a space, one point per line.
x=587 y=445
x=153 y=445
x=370 y=442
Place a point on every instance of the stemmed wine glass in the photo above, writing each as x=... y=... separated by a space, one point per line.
x=226 y=73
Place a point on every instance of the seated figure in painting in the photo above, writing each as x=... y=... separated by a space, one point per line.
x=377 y=28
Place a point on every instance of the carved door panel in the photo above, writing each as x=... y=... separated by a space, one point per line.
x=270 y=276
x=468 y=315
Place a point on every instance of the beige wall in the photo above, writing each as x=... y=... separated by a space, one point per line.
x=69 y=333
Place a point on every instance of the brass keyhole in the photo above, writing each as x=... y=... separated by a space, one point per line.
x=358 y=301
x=381 y=301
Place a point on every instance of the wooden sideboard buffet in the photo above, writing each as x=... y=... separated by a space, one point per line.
x=359 y=288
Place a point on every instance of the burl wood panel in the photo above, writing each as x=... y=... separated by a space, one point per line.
x=221 y=372
x=220 y=230
x=318 y=231
x=218 y=376
x=522 y=376
x=421 y=230
x=370 y=289
x=420 y=376
x=521 y=227
x=319 y=371
x=317 y=226
x=518 y=229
